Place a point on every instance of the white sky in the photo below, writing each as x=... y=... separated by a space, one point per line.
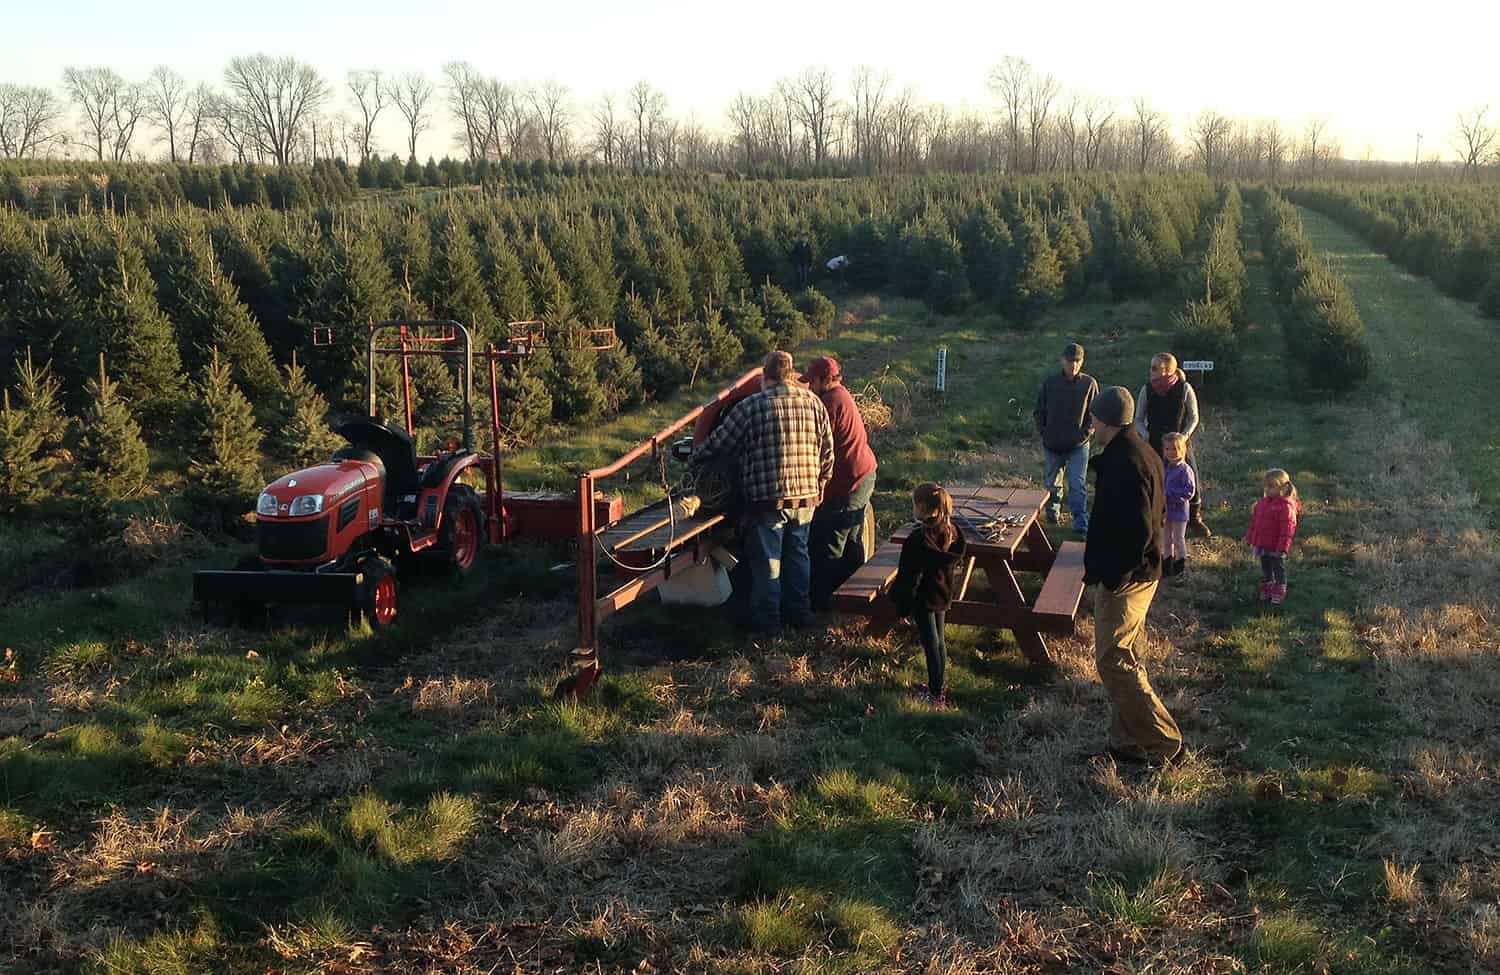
x=1379 y=71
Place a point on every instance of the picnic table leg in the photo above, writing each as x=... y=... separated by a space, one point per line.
x=1008 y=593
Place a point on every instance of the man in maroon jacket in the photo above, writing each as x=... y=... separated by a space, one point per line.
x=837 y=542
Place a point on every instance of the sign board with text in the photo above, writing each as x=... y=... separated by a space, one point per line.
x=1198 y=365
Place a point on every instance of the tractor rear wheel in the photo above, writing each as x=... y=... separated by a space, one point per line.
x=461 y=534
x=378 y=593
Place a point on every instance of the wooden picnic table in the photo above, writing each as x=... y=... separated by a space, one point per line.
x=1004 y=537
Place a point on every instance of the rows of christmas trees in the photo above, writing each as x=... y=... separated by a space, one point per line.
x=193 y=313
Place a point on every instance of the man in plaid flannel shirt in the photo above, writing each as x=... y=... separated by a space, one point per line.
x=785 y=443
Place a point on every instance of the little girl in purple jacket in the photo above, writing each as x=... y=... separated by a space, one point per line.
x=1180 y=487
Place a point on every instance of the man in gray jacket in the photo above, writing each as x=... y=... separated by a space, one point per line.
x=1065 y=425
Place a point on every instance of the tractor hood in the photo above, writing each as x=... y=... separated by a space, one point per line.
x=333 y=482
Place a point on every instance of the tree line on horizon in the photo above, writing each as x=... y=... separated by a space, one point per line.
x=279 y=110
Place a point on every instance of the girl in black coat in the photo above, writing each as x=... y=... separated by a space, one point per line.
x=923 y=587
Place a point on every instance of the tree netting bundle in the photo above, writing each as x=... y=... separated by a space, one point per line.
x=716 y=484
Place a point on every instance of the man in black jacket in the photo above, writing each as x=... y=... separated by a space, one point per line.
x=1122 y=560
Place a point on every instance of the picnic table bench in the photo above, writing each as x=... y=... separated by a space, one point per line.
x=1001 y=528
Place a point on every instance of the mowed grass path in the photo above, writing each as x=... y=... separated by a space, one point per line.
x=307 y=800
x=1436 y=354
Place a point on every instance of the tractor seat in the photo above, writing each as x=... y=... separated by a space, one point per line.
x=398 y=455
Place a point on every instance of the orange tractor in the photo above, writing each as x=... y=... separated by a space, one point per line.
x=337 y=532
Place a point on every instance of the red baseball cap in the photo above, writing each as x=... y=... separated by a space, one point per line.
x=823 y=367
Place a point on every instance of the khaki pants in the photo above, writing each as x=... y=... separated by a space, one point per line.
x=1141 y=724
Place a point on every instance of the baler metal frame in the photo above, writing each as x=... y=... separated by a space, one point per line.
x=681 y=551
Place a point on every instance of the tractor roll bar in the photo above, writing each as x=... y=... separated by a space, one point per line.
x=467 y=390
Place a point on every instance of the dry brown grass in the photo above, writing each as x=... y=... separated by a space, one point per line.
x=1430 y=574
x=452 y=695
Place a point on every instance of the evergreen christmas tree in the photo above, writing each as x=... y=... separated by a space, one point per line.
x=111 y=461
x=631 y=317
x=869 y=255
x=634 y=260
x=1070 y=256
x=504 y=278
x=722 y=349
x=441 y=403
x=782 y=317
x=302 y=436
x=620 y=379
x=548 y=289
x=1039 y=278
x=349 y=288
x=525 y=402
x=748 y=322
x=130 y=328
x=573 y=377
x=25 y=468
x=674 y=288
x=817 y=309
x=407 y=243
x=39 y=395
x=40 y=306
x=948 y=284
x=988 y=250
x=224 y=471
x=206 y=310
x=1136 y=272
x=454 y=286
x=592 y=285
x=663 y=370
x=237 y=246
x=711 y=267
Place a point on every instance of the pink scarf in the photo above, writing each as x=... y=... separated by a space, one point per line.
x=1163 y=384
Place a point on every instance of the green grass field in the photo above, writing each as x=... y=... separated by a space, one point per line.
x=180 y=798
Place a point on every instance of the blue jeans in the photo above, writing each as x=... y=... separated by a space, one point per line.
x=930 y=633
x=1076 y=463
x=780 y=568
x=836 y=541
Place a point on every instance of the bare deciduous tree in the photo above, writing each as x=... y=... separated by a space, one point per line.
x=369 y=92
x=607 y=135
x=411 y=92
x=1273 y=145
x=1011 y=80
x=277 y=97
x=463 y=83
x=224 y=114
x=1315 y=149
x=743 y=116
x=1150 y=133
x=1210 y=137
x=166 y=94
x=549 y=102
x=1098 y=116
x=649 y=108
x=28 y=119
x=812 y=95
x=1475 y=138
x=1039 y=96
x=111 y=107
x=869 y=90
x=196 y=105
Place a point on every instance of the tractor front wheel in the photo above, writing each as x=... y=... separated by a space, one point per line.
x=462 y=531
x=378 y=593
